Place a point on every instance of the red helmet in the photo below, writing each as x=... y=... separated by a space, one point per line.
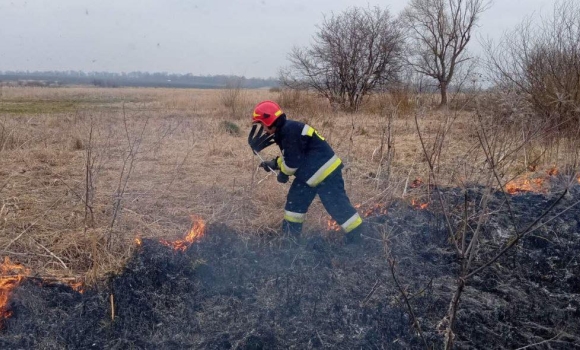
x=266 y=112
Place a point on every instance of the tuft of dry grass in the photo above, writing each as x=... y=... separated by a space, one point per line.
x=190 y=160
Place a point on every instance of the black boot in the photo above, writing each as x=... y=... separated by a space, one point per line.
x=354 y=236
x=292 y=229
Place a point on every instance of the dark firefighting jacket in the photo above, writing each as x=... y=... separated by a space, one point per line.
x=305 y=154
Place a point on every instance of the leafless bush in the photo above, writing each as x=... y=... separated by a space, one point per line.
x=502 y=133
x=302 y=103
x=291 y=98
x=354 y=53
x=384 y=154
x=233 y=97
x=401 y=96
x=543 y=63
x=134 y=143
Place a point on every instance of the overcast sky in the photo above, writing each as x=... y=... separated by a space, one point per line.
x=243 y=37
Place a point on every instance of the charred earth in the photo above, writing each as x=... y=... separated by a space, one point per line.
x=233 y=292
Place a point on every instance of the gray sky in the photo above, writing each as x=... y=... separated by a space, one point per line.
x=244 y=37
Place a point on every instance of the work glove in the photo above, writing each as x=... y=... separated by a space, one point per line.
x=258 y=141
x=282 y=178
x=270 y=164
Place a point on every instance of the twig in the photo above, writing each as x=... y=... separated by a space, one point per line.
x=89 y=182
x=407 y=180
x=112 y=299
x=391 y=261
x=407 y=302
x=452 y=312
x=542 y=342
x=370 y=294
x=440 y=196
x=51 y=253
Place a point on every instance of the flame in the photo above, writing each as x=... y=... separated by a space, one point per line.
x=332 y=225
x=77 y=286
x=12 y=275
x=525 y=185
x=553 y=171
x=418 y=205
x=138 y=241
x=375 y=210
x=196 y=232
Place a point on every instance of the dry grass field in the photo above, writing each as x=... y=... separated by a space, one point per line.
x=84 y=171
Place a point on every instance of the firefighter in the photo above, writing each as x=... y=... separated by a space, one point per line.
x=316 y=169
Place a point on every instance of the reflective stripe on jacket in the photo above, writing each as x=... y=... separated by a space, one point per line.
x=305 y=153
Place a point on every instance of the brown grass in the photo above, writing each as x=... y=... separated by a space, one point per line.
x=188 y=163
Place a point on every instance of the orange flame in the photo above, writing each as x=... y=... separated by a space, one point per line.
x=553 y=171
x=332 y=225
x=196 y=232
x=525 y=185
x=375 y=210
x=77 y=286
x=418 y=205
x=138 y=241
x=12 y=275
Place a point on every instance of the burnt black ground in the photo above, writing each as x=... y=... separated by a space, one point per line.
x=229 y=292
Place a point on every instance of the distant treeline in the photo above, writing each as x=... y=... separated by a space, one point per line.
x=141 y=79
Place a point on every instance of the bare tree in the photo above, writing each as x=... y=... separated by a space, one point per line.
x=438 y=33
x=353 y=53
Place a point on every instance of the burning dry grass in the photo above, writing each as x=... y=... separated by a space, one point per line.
x=157 y=156
x=12 y=275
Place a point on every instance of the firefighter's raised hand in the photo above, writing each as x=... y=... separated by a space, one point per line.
x=258 y=141
x=270 y=165
x=282 y=178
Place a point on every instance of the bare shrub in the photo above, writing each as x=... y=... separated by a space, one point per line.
x=302 y=103
x=291 y=98
x=234 y=98
x=399 y=96
x=482 y=173
x=542 y=63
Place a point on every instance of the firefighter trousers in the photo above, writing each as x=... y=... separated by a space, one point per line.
x=332 y=195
